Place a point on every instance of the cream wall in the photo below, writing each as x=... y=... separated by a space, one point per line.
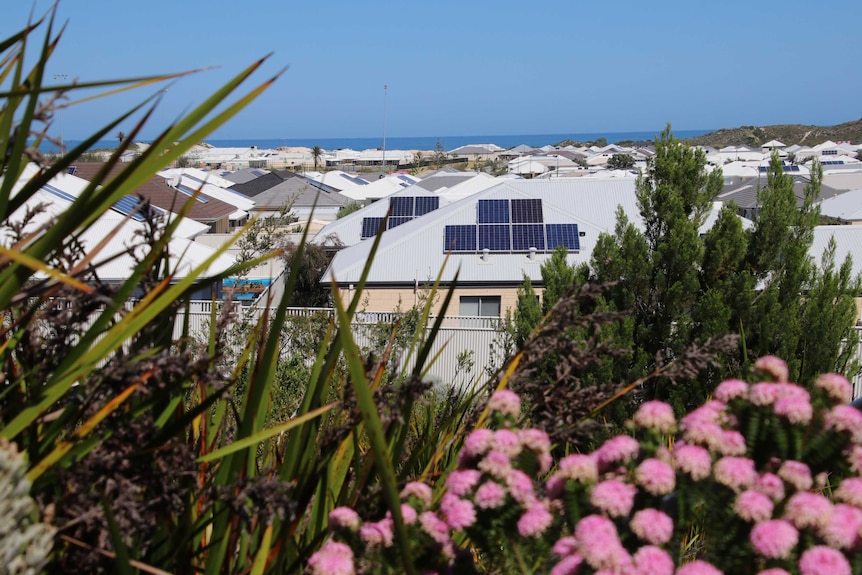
x=390 y=299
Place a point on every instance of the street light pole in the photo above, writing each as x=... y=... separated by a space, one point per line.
x=385 y=88
x=62 y=143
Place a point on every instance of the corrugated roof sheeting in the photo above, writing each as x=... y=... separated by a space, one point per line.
x=415 y=251
x=848 y=241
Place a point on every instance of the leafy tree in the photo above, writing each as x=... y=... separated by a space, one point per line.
x=557 y=277
x=601 y=142
x=621 y=162
x=528 y=314
x=348 y=208
x=439 y=157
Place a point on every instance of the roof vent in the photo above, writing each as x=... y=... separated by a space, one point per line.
x=486 y=254
x=532 y=254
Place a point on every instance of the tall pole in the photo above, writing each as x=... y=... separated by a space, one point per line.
x=385 y=87
x=62 y=143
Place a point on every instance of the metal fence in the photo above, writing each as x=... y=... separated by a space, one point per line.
x=467 y=349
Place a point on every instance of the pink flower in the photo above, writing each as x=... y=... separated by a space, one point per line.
x=435 y=527
x=731 y=389
x=846 y=418
x=842 y=529
x=806 y=509
x=579 y=467
x=732 y=443
x=567 y=565
x=344 y=518
x=772 y=366
x=735 y=472
x=774 y=539
x=565 y=546
x=693 y=460
x=506 y=441
x=763 y=393
x=377 y=534
x=535 y=439
x=496 y=464
x=505 y=402
x=822 y=560
x=796 y=474
x=655 y=476
x=521 y=488
x=698 y=567
x=535 y=521
x=418 y=490
x=614 y=497
x=651 y=560
x=459 y=513
x=490 y=495
x=462 y=481
x=854 y=458
x=332 y=559
x=478 y=442
x=771 y=485
x=599 y=543
x=408 y=514
x=796 y=410
x=656 y=415
x=753 y=506
x=850 y=491
x=619 y=449
x=836 y=387
x=652 y=526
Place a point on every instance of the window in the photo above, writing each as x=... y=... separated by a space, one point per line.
x=486 y=305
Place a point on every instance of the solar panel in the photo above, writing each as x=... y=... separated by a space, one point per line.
x=460 y=238
x=71 y=170
x=493 y=211
x=527 y=211
x=58 y=192
x=395 y=222
x=495 y=237
x=370 y=227
x=425 y=204
x=127 y=206
x=401 y=206
x=191 y=193
x=563 y=235
x=528 y=236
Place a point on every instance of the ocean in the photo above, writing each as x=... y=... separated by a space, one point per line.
x=421 y=142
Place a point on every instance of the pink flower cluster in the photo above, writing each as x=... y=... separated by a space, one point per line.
x=780 y=506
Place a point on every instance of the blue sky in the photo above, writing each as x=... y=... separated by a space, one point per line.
x=471 y=68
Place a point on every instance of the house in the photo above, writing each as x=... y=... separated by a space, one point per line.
x=126 y=226
x=199 y=207
x=743 y=192
x=207 y=186
x=382 y=187
x=496 y=237
x=846 y=206
x=275 y=192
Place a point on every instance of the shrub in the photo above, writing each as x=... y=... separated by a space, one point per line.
x=764 y=478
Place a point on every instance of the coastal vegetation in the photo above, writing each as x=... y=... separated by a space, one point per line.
x=242 y=450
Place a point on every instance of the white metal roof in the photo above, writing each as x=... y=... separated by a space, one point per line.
x=848 y=241
x=185 y=254
x=847 y=206
x=348 y=229
x=414 y=252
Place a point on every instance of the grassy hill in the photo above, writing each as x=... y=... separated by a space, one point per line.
x=786 y=133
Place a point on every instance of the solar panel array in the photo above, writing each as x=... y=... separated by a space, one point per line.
x=402 y=209
x=515 y=225
x=128 y=206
